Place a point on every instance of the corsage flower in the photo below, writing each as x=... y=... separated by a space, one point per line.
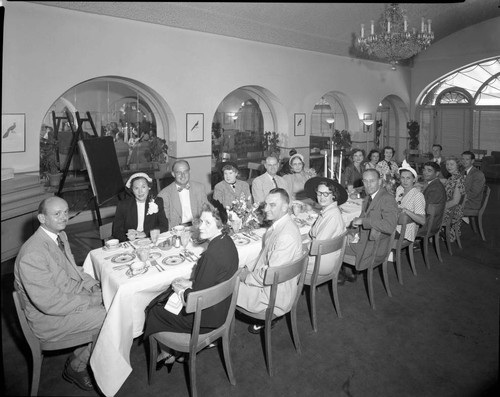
x=153 y=207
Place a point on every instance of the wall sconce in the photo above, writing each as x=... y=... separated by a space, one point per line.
x=330 y=122
x=234 y=118
x=367 y=121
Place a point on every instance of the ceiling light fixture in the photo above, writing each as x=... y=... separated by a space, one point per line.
x=395 y=42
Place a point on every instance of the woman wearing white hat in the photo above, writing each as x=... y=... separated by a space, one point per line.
x=137 y=215
x=298 y=177
x=410 y=200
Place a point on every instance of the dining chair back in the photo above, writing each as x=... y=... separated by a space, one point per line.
x=37 y=346
x=273 y=278
x=318 y=249
x=431 y=229
x=106 y=231
x=401 y=243
x=476 y=216
x=253 y=168
x=193 y=342
x=373 y=263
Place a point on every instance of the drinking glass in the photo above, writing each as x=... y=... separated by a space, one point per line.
x=154 y=234
x=143 y=254
x=296 y=208
x=185 y=236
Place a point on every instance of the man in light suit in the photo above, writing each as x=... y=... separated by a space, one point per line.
x=60 y=299
x=378 y=219
x=474 y=182
x=264 y=183
x=282 y=244
x=183 y=198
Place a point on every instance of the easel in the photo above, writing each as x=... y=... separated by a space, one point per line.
x=76 y=136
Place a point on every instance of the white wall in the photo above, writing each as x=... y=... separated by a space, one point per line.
x=47 y=50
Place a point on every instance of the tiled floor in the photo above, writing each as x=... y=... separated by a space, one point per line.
x=437 y=336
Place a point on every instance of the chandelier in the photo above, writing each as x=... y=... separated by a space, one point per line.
x=395 y=42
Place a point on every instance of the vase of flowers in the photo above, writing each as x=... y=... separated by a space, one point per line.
x=242 y=214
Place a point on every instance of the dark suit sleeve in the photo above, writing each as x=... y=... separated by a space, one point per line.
x=162 y=220
x=120 y=221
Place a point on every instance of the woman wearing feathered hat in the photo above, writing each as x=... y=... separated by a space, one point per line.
x=329 y=224
x=137 y=215
x=410 y=200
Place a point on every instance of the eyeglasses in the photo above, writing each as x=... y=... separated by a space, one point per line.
x=324 y=194
x=181 y=173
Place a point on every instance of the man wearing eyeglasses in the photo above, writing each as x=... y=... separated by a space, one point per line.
x=378 y=219
x=264 y=183
x=183 y=198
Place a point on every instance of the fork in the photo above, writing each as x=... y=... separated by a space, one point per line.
x=157 y=265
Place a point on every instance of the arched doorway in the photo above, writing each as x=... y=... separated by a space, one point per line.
x=392 y=116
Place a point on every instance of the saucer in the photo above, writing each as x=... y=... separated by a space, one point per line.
x=132 y=273
x=122 y=258
x=173 y=260
x=153 y=255
x=241 y=241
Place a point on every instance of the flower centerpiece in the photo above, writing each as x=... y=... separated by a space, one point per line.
x=242 y=214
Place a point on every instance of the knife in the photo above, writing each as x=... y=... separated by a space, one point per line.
x=185 y=257
x=250 y=236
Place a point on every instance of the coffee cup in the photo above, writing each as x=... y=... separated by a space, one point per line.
x=112 y=243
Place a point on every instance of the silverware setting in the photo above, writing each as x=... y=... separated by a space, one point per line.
x=185 y=256
x=157 y=266
x=251 y=236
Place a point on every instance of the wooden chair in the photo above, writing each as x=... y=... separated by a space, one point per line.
x=401 y=243
x=448 y=227
x=430 y=230
x=273 y=277
x=372 y=265
x=253 y=167
x=254 y=155
x=37 y=346
x=105 y=232
x=476 y=216
x=479 y=153
x=318 y=249
x=194 y=342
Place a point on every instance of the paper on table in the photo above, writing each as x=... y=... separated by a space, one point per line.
x=174 y=304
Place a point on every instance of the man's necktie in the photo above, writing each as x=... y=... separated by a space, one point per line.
x=181 y=188
x=275 y=184
x=368 y=202
x=60 y=244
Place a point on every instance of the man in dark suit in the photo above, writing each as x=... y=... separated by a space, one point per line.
x=440 y=160
x=60 y=298
x=378 y=219
x=183 y=198
x=474 y=182
x=434 y=192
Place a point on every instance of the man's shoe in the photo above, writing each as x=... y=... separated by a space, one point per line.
x=351 y=278
x=341 y=279
x=81 y=379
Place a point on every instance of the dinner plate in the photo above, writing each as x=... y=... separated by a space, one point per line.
x=241 y=241
x=122 y=258
x=143 y=242
x=173 y=260
x=132 y=273
x=153 y=255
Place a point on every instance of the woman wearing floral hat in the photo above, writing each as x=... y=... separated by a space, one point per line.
x=298 y=176
x=137 y=215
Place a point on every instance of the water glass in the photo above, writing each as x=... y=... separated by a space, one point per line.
x=154 y=234
x=143 y=254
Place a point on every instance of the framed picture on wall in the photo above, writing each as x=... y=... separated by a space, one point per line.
x=13 y=132
x=194 y=127
x=299 y=123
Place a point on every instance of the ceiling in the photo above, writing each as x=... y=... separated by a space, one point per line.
x=322 y=27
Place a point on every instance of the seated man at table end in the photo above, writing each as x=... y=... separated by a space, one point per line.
x=60 y=298
x=282 y=245
x=378 y=219
x=183 y=198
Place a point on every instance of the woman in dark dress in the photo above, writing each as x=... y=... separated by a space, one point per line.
x=137 y=215
x=216 y=265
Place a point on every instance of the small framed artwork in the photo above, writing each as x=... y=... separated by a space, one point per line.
x=13 y=132
x=299 y=123
x=194 y=127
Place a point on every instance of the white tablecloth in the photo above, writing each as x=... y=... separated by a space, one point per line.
x=125 y=298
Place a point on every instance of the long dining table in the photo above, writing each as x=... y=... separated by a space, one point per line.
x=126 y=294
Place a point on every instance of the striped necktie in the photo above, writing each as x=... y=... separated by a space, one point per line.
x=60 y=244
x=275 y=184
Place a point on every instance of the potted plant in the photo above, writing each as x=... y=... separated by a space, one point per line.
x=158 y=148
x=414 y=131
x=49 y=162
x=270 y=144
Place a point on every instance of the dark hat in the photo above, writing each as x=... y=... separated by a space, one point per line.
x=224 y=163
x=312 y=184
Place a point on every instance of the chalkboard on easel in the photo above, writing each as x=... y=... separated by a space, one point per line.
x=103 y=168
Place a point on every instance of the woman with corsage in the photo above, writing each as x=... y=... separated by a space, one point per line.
x=410 y=200
x=140 y=212
x=217 y=264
